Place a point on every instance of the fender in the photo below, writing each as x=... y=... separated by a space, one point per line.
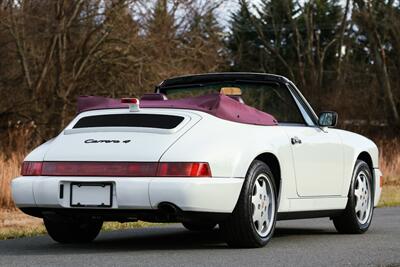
x=353 y=146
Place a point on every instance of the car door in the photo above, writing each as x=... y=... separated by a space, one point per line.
x=317 y=153
x=318 y=160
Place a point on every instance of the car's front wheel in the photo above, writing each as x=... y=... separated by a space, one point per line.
x=80 y=231
x=252 y=222
x=357 y=216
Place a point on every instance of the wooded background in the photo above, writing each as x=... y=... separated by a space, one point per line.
x=343 y=55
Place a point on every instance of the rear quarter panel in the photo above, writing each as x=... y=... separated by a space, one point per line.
x=39 y=152
x=230 y=148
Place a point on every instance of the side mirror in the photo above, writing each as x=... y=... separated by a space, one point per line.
x=327 y=119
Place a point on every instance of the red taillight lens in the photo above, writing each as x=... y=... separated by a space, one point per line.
x=117 y=169
x=184 y=169
x=129 y=100
x=121 y=169
x=31 y=168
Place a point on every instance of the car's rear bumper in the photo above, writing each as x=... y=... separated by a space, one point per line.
x=217 y=195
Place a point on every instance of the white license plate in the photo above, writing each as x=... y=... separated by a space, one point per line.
x=91 y=195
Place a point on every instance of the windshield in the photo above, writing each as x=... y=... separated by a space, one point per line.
x=271 y=98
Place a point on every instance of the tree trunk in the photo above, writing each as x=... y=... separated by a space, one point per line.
x=383 y=77
x=341 y=40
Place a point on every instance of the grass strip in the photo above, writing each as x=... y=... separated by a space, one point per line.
x=390 y=196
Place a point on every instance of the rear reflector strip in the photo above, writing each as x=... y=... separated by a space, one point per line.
x=120 y=169
x=117 y=169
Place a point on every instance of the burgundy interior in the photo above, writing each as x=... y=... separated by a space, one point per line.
x=154 y=96
x=238 y=98
x=218 y=105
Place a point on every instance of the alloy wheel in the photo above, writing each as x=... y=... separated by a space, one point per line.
x=263 y=205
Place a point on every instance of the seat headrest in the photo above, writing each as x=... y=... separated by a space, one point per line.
x=230 y=91
x=154 y=96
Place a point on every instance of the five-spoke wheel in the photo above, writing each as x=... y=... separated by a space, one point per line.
x=363 y=196
x=263 y=205
x=357 y=216
x=252 y=222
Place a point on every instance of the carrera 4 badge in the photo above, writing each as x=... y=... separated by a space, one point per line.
x=94 y=141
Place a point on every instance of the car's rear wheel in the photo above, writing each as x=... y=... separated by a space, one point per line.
x=199 y=226
x=81 y=231
x=357 y=216
x=252 y=222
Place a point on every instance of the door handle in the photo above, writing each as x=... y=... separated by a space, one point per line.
x=295 y=140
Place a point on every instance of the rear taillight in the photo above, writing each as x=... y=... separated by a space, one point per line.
x=184 y=169
x=31 y=168
x=117 y=169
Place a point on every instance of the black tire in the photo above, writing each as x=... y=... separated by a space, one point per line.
x=348 y=222
x=239 y=229
x=199 y=227
x=72 y=231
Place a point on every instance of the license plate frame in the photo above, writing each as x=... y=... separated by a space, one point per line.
x=80 y=185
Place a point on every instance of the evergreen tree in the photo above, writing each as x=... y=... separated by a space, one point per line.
x=204 y=40
x=243 y=43
x=161 y=23
x=162 y=44
x=323 y=18
x=302 y=37
x=277 y=29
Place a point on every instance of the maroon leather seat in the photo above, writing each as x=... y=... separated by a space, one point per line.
x=154 y=96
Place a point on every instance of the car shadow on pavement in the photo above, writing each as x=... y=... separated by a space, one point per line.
x=284 y=232
x=167 y=238
x=160 y=238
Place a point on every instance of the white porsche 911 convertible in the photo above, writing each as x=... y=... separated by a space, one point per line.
x=238 y=150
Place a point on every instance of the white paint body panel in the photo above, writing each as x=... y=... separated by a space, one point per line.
x=315 y=175
x=318 y=161
x=145 y=144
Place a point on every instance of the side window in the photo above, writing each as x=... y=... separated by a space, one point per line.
x=275 y=100
x=305 y=111
x=307 y=118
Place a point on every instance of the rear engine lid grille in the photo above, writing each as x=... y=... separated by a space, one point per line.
x=130 y=120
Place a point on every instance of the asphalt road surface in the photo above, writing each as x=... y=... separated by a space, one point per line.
x=311 y=242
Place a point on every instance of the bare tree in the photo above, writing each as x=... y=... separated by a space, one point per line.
x=365 y=13
x=59 y=49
